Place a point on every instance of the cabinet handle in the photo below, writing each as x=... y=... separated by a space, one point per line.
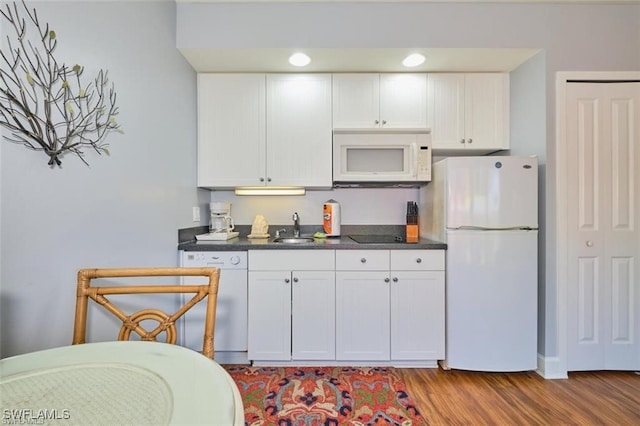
x=268 y=179
x=470 y=140
x=461 y=140
x=395 y=279
x=286 y=280
x=589 y=243
x=418 y=260
x=376 y=122
x=261 y=179
x=295 y=279
x=363 y=260
x=386 y=280
x=384 y=122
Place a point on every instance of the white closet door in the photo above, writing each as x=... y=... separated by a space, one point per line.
x=603 y=137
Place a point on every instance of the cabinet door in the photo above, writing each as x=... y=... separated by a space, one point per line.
x=269 y=317
x=445 y=111
x=417 y=315
x=313 y=332
x=403 y=101
x=362 y=316
x=231 y=129
x=486 y=111
x=356 y=100
x=299 y=130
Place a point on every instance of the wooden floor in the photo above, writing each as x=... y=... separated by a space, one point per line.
x=468 y=398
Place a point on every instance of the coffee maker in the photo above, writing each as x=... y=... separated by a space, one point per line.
x=221 y=225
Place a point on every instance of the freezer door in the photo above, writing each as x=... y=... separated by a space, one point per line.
x=491 y=300
x=492 y=192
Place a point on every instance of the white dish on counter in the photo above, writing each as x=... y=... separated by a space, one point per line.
x=217 y=236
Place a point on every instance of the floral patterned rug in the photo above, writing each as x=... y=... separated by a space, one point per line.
x=310 y=396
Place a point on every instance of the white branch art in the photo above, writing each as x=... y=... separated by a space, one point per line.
x=44 y=104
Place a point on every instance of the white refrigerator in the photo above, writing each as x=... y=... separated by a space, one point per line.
x=486 y=210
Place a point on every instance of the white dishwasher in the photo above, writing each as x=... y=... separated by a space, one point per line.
x=230 y=338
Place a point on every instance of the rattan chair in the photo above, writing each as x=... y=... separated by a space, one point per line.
x=131 y=322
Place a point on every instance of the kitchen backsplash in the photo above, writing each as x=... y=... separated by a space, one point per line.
x=359 y=206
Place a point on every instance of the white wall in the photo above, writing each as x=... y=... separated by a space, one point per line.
x=123 y=210
x=528 y=131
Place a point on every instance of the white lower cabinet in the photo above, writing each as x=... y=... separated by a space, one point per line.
x=417 y=315
x=291 y=311
x=390 y=305
x=346 y=306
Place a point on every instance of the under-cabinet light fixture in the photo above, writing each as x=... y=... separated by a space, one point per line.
x=413 y=60
x=260 y=190
x=299 y=60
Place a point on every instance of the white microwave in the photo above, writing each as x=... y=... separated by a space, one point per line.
x=374 y=157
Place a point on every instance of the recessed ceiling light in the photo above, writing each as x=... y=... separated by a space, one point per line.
x=299 y=60
x=413 y=60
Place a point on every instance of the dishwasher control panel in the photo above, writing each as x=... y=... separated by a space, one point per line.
x=216 y=259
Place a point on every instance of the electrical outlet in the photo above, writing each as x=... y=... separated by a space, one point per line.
x=196 y=214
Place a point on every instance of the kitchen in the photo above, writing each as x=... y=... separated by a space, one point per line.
x=127 y=207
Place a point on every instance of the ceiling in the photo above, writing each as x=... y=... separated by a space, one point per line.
x=365 y=59
x=357 y=60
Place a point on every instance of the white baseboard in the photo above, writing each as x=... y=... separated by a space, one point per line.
x=333 y=363
x=224 y=357
x=550 y=368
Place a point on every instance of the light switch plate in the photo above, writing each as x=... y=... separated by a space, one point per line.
x=196 y=214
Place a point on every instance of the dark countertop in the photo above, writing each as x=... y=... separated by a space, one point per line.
x=242 y=243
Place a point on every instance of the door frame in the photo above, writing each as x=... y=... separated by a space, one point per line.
x=556 y=367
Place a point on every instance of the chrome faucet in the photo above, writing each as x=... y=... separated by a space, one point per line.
x=296 y=225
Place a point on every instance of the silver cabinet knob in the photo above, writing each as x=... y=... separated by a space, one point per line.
x=461 y=140
x=470 y=140
x=395 y=279
x=295 y=279
x=376 y=122
x=386 y=280
x=384 y=122
x=286 y=280
x=363 y=260
x=268 y=179
x=261 y=179
x=418 y=260
x=589 y=243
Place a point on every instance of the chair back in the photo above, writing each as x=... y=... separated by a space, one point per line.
x=131 y=322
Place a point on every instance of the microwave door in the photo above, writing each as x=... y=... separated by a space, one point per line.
x=376 y=163
x=380 y=157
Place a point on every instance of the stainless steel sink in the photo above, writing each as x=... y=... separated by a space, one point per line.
x=293 y=240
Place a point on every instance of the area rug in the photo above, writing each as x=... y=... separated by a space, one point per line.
x=310 y=396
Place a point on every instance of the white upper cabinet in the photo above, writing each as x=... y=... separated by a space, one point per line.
x=468 y=112
x=264 y=130
x=366 y=101
x=299 y=130
x=231 y=129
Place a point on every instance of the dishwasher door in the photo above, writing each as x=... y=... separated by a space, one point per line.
x=230 y=336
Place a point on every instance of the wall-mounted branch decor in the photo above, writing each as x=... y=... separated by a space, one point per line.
x=44 y=104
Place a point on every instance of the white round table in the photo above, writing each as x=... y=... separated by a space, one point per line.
x=118 y=383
